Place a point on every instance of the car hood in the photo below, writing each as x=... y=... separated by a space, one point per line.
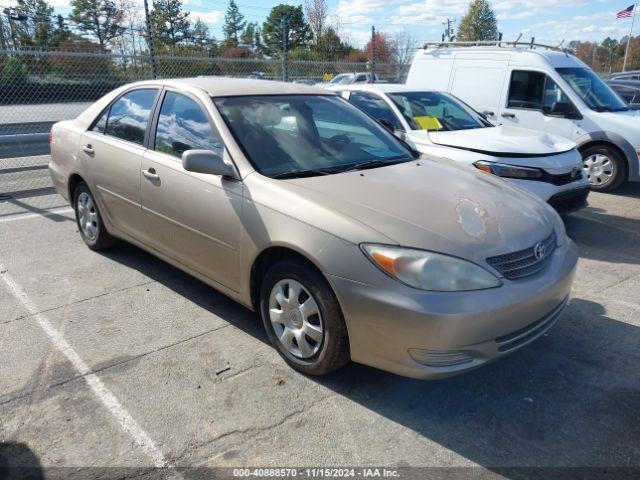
x=502 y=140
x=433 y=204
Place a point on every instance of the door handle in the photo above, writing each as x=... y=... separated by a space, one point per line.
x=151 y=174
x=88 y=149
x=488 y=113
x=509 y=115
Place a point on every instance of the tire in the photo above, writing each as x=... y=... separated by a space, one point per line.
x=604 y=167
x=95 y=235
x=309 y=354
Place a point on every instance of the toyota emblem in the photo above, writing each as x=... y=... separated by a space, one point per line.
x=539 y=249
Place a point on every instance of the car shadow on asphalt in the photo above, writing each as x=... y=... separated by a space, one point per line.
x=18 y=461
x=569 y=399
x=605 y=237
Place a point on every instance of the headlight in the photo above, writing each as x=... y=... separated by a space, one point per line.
x=428 y=270
x=509 y=171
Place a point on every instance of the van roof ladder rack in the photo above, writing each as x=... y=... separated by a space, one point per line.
x=497 y=43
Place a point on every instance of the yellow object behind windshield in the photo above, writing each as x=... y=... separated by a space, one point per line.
x=428 y=123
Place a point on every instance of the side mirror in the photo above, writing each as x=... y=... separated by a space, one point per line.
x=566 y=110
x=209 y=162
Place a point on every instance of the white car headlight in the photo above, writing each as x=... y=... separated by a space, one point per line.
x=428 y=270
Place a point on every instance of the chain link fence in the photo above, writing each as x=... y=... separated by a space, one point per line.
x=39 y=88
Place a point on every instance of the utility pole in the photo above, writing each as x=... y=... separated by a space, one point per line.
x=152 y=58
x=285 y=48
x=373 y=54
x=448 y=32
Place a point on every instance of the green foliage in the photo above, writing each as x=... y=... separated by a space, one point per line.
x=14 y=71
x=171 y=25
x=37 y=29
x=251 y=37
x=479 y=23
x=202 y=40
x=299 y=32
x=100 y=18
x=233 y=25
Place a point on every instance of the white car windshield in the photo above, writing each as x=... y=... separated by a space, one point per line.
x=436 y=111
x=287 y=136
x=591 y=88
x=341 y=79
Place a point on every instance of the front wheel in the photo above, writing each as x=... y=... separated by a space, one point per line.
x=604 y=167
x=303 y=319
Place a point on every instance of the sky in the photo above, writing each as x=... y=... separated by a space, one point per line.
x=549 y=21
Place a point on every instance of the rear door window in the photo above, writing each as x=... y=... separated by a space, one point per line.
x=129 y=115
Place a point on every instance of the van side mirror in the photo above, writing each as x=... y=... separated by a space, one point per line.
x=565 y=110
x=209 y=162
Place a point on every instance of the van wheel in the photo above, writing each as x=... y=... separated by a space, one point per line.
x=604 y=167
x=303 y=319
x=89 y=220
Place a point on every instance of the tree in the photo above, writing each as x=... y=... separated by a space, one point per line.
x=317 y=12
x=403 y=48
x=330 y=46
x=479 y=24
x=171 y=26
x=298 y=31
x=250 y=37
x=100 y=18
x=61 y=32
x=37 y=28
x=233 y=25
x=383 y=48
x=202 y=39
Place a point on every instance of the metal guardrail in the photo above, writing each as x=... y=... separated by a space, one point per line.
x=23 y=145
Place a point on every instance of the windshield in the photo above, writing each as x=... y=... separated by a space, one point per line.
x=305 y=135
x=341 y=79
x=436 y=111
x=596 y=94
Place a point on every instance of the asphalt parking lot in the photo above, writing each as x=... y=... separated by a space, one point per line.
x=118 y=359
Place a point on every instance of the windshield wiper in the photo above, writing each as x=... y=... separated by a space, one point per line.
x=299 y=174
x=373 y=164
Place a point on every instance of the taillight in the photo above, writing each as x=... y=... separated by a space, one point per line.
x=50 y=137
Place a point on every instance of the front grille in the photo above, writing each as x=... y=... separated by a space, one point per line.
x=525 y=262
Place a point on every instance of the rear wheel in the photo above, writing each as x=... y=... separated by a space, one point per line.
x=303 y=319
x=89 y=220
x=604 y=167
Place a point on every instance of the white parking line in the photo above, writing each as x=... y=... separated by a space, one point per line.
x=25 y=216
x=108 y=399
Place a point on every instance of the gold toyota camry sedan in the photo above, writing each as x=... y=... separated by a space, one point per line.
x=295 y=203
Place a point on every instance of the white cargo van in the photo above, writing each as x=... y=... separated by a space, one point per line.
x=541 y=88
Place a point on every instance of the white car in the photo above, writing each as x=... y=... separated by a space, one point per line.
x=544 y=89
x=439 y=124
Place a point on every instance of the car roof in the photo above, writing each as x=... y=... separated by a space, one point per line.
x=379 y=87
x=231 y=87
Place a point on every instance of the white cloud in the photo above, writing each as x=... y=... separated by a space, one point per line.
x=214 y=16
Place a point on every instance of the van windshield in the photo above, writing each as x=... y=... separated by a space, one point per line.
x=591 y=88
x=436 y=111
x=289 y=136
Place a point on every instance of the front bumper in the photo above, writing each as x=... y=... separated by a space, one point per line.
x=570 y=200
x=556 y=195
x=438 y=334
